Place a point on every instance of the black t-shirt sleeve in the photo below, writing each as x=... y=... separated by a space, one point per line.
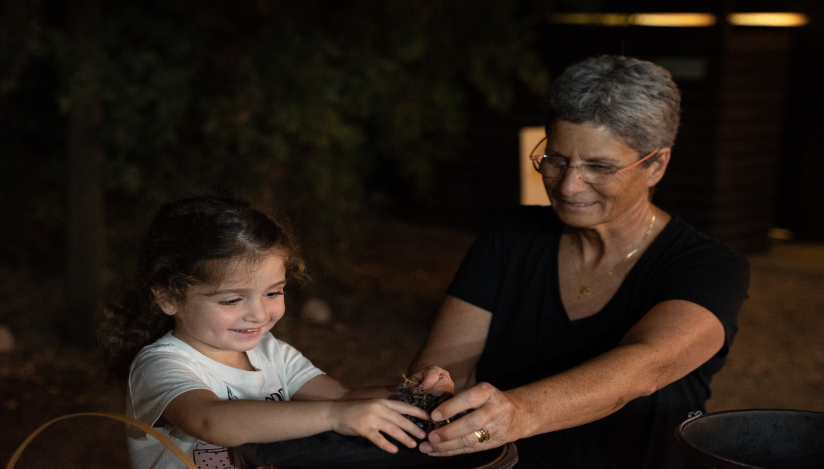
x=711 y=275
x=478 y=279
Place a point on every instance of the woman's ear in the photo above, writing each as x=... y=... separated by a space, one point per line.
x=164 y=301
x=659 y=166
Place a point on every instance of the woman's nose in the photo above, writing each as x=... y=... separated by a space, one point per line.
x=571 y=181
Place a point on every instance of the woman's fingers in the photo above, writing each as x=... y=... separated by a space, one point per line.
x=435 y=380
x=472 y=398
x=491 y=420
x=462 y=437
x=463 y=426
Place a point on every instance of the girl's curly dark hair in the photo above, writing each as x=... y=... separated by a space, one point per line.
x=190 y=241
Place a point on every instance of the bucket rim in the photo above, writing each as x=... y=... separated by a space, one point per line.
x=693 y=449
x=508 y=456
x=748 y=411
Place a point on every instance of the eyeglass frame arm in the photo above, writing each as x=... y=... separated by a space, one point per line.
x=536 y=163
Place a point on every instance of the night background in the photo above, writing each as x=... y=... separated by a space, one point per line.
x=387 y=131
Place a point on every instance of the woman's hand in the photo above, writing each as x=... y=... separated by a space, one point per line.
x=368 y=418
x=497 y=412
x=434 y=380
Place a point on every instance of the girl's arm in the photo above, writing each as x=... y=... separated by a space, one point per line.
x=320 y=405
x=202 y=414
x=434 y=379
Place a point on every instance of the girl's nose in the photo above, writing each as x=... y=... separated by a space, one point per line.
x=256 y=312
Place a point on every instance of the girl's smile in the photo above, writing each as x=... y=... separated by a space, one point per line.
x=225 y=322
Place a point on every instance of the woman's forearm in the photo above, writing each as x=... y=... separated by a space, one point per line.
x=672 y=340
x=456 y=341
x=585 y=393
x=575 y=397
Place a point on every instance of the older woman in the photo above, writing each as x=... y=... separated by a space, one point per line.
x=588 y=330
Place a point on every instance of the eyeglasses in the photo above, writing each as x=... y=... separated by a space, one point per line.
x=554 y=167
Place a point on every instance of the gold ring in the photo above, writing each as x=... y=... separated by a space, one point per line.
x=482 y=434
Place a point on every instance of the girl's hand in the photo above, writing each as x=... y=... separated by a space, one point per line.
x=434 y=380
x=368 y=418
x=495 y=411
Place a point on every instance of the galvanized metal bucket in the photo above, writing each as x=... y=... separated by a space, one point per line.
x=760 y=438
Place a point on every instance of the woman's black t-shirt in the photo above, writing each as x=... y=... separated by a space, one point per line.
x=512 y=271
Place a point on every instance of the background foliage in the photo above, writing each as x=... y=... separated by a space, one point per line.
x=326 y=111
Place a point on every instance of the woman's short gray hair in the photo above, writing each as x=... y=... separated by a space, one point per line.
x=635 y=99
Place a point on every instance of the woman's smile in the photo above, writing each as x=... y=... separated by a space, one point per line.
x=574 y=205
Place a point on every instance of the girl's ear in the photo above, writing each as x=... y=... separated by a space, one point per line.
x=164 y=301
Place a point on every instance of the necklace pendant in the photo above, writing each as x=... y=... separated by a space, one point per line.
x=585 y=290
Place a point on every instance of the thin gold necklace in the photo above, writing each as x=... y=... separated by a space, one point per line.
x=586 y=290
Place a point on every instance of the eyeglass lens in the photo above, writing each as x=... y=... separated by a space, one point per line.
x=554 y=168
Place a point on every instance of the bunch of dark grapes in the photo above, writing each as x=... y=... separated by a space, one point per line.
x=411 y=393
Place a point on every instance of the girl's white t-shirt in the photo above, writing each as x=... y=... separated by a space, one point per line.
x=170 y=367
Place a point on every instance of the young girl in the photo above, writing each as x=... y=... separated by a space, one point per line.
x=204 y=368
